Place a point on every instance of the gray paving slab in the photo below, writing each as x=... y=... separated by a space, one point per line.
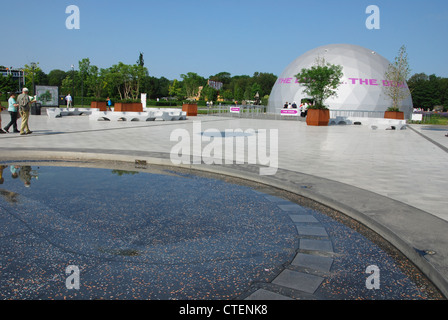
x=292 y=208
x=316 y=245
x=277 y=200
x=303 y=218
x=312 y=261
x=311 y=231
x=298 y=281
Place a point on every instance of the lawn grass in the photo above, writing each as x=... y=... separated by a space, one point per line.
x=433 y=119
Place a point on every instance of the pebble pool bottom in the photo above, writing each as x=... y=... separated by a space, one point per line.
x=139 y=235
x=135 y=235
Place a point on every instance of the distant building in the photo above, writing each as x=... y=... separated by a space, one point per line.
x=17 y=75
x=215 y=84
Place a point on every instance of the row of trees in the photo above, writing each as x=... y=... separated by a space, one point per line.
x=123 y=82
x=429 y=91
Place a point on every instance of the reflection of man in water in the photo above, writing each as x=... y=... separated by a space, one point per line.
x=25 y=175
x=14 y=172
x=2 y=167
x=8 y=195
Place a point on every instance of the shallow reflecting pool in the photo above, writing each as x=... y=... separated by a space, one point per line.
x=135 y=235
x=162 y=233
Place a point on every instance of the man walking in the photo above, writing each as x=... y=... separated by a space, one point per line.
x=24 y=108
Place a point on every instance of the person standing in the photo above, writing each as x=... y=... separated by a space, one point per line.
x=109 y=104
x=24 y=108
x=69 y=100
x=13 y=112
x=1 y=109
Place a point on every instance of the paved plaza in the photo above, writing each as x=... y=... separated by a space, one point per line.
x=392 y=181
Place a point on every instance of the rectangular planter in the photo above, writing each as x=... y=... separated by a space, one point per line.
x=399 y=115
x=128 y=107
x=190 y=109
x=318 y=117
x=102 y=105
x=137 y=107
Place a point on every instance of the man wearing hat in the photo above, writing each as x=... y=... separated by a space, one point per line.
x=24 y=102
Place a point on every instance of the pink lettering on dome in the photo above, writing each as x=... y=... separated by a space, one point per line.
x=365 y=81
x=353 y=81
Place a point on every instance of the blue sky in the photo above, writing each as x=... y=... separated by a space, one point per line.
x=211 y=36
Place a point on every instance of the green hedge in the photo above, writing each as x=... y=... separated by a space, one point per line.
x=86 y=100
x=163 y=103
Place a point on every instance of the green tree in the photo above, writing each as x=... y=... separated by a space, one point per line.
x=191 y=83
x=239 y=85
x=227 y=95
x=156 y=87
x=223 y=77
x=320 y=81
x=95 y=82
x=175 y=89
x=163 y=88
x=125 y=79
x=238 y=94
x=256 y=88
x=428 y=91
x=32 y=75
x=140 y=62
x=443 y=88
x=7 y=84
x=55 y=77
x=396 y=74
x=265 y=80
x=209 y=93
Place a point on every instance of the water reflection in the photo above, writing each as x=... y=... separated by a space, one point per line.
x=24 y=173
x=163 y=234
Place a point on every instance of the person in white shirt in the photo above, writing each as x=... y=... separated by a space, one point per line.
x=68 y=98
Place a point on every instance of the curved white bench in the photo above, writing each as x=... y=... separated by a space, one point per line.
x=59 y=112
x=123 y=116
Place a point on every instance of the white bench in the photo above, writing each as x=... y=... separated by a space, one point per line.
x=59 y=112
x=123 y=116
x=167 y=114
x=374 y=123
x=148 y=114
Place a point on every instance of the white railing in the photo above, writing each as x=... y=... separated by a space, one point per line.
x=356 y=114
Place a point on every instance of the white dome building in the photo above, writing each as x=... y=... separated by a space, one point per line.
x=362 y=82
